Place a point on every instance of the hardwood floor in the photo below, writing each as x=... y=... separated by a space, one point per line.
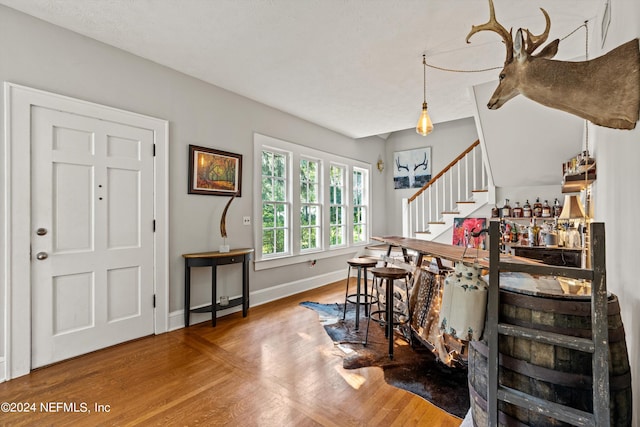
x=276 y=367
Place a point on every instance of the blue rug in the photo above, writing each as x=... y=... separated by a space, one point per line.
x=413 y=369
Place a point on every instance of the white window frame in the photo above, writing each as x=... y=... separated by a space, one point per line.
x=317 y=204
x=343 y=206
x=366 y=205
x=297 y=152
x=287 y=203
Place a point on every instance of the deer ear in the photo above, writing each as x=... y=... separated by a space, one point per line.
x=519 y=52
x=549 y=50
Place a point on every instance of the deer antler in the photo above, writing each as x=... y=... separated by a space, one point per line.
x=533 y=41
x=495 y=26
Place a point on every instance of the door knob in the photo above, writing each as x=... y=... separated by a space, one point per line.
x=42 y=255
x=41 y=231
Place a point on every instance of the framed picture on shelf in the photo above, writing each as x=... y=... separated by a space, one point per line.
x=462 y=228
x=214 y=172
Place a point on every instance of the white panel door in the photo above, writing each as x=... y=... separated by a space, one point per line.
x=92 y=234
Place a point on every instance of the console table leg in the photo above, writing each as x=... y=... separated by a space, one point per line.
x=187 y=292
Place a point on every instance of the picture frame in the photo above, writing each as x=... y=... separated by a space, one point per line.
x=462 y=229
x=411 y=168
x=214 y=172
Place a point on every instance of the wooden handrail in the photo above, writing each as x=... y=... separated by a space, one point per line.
x=443 y=171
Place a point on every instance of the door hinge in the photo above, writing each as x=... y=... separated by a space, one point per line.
x=154 y=150
x=154 y=300
x=154 y=225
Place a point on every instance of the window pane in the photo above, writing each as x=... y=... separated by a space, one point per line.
x=268 y=215
x=281 y=217
x=267 y=189
x=267 y=163
x=280 y=241
x=312 y=215
x=304 y=215
x=279 y=165
x=279 y=190
x=268 y=243
x=339 y=195
x=304 y=238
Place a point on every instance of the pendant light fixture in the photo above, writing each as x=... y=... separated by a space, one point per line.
x=424 y=122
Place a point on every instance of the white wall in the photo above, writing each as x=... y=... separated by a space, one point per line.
x=447 y=141
x=617 y=199
x=40 y=55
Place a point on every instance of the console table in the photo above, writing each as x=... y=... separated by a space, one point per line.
x=213 y=260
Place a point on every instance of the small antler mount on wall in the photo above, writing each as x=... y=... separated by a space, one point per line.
x=604 y=90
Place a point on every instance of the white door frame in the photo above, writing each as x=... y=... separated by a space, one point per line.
x=15 y=212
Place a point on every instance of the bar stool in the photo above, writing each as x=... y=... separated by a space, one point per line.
x=385 y=317
x=362 y=296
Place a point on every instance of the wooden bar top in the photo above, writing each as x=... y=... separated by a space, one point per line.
x=448 y=252
x=218 y=254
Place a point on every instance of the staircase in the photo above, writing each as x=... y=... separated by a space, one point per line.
x=460 y=190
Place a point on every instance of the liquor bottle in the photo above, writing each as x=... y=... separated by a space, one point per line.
x=557 y=209
x=526 y=210
x=517 y=211
x=506 y=209
x=534 y=233
x=495 y=212
x=546 y=210
x=537 y=208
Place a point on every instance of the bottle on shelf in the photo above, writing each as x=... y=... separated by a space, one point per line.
x=517 y=211
x=534 y=233
x=537 y=208
x=506 y=210
x=546 y=210
x=495 y=212
x=526 y=210
x=557 y=209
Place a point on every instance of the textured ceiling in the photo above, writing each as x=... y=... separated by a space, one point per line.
x=353 y=66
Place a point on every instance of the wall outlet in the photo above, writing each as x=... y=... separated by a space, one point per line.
x=224 y=300
x=246 y=220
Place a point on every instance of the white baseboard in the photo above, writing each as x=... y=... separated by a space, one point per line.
x=3 y=371
x=262 y=296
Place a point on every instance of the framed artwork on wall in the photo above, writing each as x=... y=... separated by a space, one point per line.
x=462 y=228
x=214 y=172
x=411 y=168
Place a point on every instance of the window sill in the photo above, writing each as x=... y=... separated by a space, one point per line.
x=268 y=263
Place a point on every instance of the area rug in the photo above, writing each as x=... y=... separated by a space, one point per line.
x=413 y=369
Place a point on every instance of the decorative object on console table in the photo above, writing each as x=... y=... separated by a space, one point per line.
x=214 y=172
x=224 y=247
x=213 y=260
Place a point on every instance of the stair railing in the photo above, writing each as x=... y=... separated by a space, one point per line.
x=455 y=183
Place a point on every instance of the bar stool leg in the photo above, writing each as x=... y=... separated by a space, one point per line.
x=389 y=324
x=358 y=290
x=346 y=295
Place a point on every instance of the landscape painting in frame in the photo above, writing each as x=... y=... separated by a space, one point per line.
x=214 y=172
x=411 y=168
x=462 y=229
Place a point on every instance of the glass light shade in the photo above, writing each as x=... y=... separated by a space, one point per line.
x=572 y=208
x=424 y=122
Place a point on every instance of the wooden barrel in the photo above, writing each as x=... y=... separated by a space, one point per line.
x=550 y=372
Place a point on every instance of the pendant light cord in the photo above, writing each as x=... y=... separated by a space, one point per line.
x=424 y=77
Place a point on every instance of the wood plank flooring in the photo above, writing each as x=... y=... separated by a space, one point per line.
x=276 y=367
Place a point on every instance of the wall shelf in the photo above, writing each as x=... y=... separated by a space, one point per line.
x=577 y=183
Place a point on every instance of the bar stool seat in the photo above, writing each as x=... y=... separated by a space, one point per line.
x=362 y=295
x=390 y=317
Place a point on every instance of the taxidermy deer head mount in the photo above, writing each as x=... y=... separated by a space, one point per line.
x=605 y=90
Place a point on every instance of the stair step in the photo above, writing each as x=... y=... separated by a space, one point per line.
x=466 y=202
x=423 y=232
x=479 y=191
x=450 y=213
x=437 y=222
